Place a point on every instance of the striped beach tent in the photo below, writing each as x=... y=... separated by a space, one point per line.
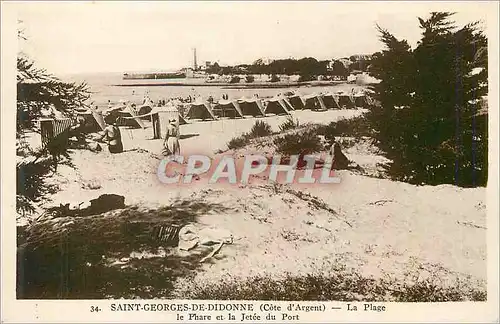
x=54 y=129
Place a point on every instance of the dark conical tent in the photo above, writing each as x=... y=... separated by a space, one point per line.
x=330 y=101
x=345 y=101
x=200 y=110
x=296 y=102
x=226 y=108
x=182 y=121
x=311 y=102
x=90 y=125
x=143 y=110
x=277 y=106
x=288 y=104
x=321 y=102
x=129 y=117
x=360 y=100
x=252 y=107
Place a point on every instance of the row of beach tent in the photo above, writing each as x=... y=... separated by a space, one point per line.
x=130 y=115
x=280 y=105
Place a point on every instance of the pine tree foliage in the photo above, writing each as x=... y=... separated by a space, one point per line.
x=39 y=94
x=430 y=120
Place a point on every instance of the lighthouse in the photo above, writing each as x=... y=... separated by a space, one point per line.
x=195 y=65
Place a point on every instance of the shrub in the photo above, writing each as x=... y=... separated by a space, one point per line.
x=238 y=142
x=341 y=286
x=289 y=124
x=250 y=79
x=300 y=143
x=260 y=129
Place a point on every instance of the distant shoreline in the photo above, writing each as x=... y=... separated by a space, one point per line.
x=226 y=85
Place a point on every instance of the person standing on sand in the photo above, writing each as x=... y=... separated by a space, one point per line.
x=112 y=135
x=340 y=161
x=171 y=143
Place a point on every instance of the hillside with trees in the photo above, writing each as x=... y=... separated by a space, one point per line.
x=307 y=67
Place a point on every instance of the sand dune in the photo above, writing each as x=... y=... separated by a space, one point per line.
x=377 y=226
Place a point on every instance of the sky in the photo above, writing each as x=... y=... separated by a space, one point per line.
x=90 y=37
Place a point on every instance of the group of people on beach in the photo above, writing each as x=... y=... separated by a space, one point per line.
x=164 y=102
x=111 y=135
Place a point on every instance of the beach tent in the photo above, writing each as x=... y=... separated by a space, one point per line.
x=111 y=116
x=276 y=106
x=119 y=106
x=321 y=102
x=296 y=102
x=330 y=101
x=288 y=104
x=200 y=110
x=169 y=108
x=226 y=108
x=160 y=117
x=311 y=102
x=252 y=107
x=345 y=101
x=143 y=110
x=126 y=118
x=90 y=124
x=99 y=118
x=360 y=100
x=130 y=117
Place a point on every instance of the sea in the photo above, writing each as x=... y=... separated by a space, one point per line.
x=111 y=88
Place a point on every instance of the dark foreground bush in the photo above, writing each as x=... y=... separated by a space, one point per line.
x=341 y=286
x=288 y=124
x=305 y=142
x=91 y=257
x=238 y=142
x=260 y=129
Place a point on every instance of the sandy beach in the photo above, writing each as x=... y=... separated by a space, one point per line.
x=380 y=228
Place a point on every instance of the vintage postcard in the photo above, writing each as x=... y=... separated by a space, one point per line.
x=257 y=162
